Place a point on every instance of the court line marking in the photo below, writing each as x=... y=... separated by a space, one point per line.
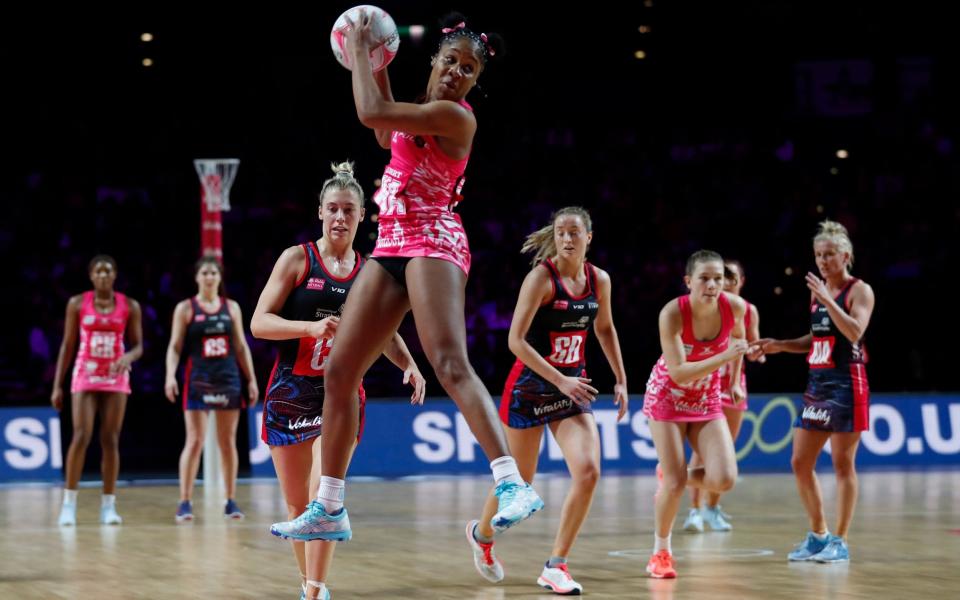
x=698 y=554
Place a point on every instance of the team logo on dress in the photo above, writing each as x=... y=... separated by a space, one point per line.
x=698 y=408
x=199 y=318
x=811 y=413
x=315 y=283
x=89 y=320
x=217 y=399
x=582 y=322
x=303 y=422
x=553 y=407
x=560 y=305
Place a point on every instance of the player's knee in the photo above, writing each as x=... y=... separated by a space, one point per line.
x=844 y=469
x=110 y=440
x=227 y=442
x=674 y=485
x=587 y=474
x=802 y=466
x=81 y=437
x=194 y=445
x=722 y=481
x=452 y=369
x=338 y=383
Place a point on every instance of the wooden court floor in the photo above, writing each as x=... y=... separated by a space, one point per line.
x=409 y=543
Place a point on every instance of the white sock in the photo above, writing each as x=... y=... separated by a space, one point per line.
x=317 y=584
x=822 y=537
x=108 y=500
x=69 y=496
x=331 y=493
x=505 y=469
x=661 y=543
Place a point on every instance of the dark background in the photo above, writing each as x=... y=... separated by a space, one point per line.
x=724 y=137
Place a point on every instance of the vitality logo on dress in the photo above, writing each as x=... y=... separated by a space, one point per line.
x=302 y=423
x=812 y=413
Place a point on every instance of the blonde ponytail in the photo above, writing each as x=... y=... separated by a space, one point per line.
x=542 y=243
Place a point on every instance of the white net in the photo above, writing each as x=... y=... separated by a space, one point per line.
x=216 y=177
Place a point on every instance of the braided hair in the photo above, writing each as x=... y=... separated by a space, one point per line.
x=486 y=45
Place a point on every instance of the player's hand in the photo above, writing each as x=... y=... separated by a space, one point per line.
x=324 y=329
x=359 y=35
x=413 y=376
x=760 y=348
x=56 y=398
x=621 y=399
x=819 y=288
x=738 y=347
x=578 y=390
x=121 y=365
x=736 y=393
x=170 y=389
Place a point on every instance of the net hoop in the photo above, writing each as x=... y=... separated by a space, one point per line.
x=216 y=177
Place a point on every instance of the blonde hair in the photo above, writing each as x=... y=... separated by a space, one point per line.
x=342 y=180
x=831 y=231
x=541 y=242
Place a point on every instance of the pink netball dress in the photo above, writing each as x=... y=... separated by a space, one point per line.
x=419 y=190
x=698 y=400
x=101 y=343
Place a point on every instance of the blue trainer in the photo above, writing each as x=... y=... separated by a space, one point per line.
x=835 y=551
x=515 y=502
x=315 y=524
x=184 y=512
x=231 y=510
x=810 y=546
x=694 y=522
x=713 y=516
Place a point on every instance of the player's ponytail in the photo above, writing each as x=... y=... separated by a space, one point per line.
x=542 y=242
x=342 y=180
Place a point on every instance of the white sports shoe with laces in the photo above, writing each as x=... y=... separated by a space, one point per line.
x=559 y=581
x=484 y=559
